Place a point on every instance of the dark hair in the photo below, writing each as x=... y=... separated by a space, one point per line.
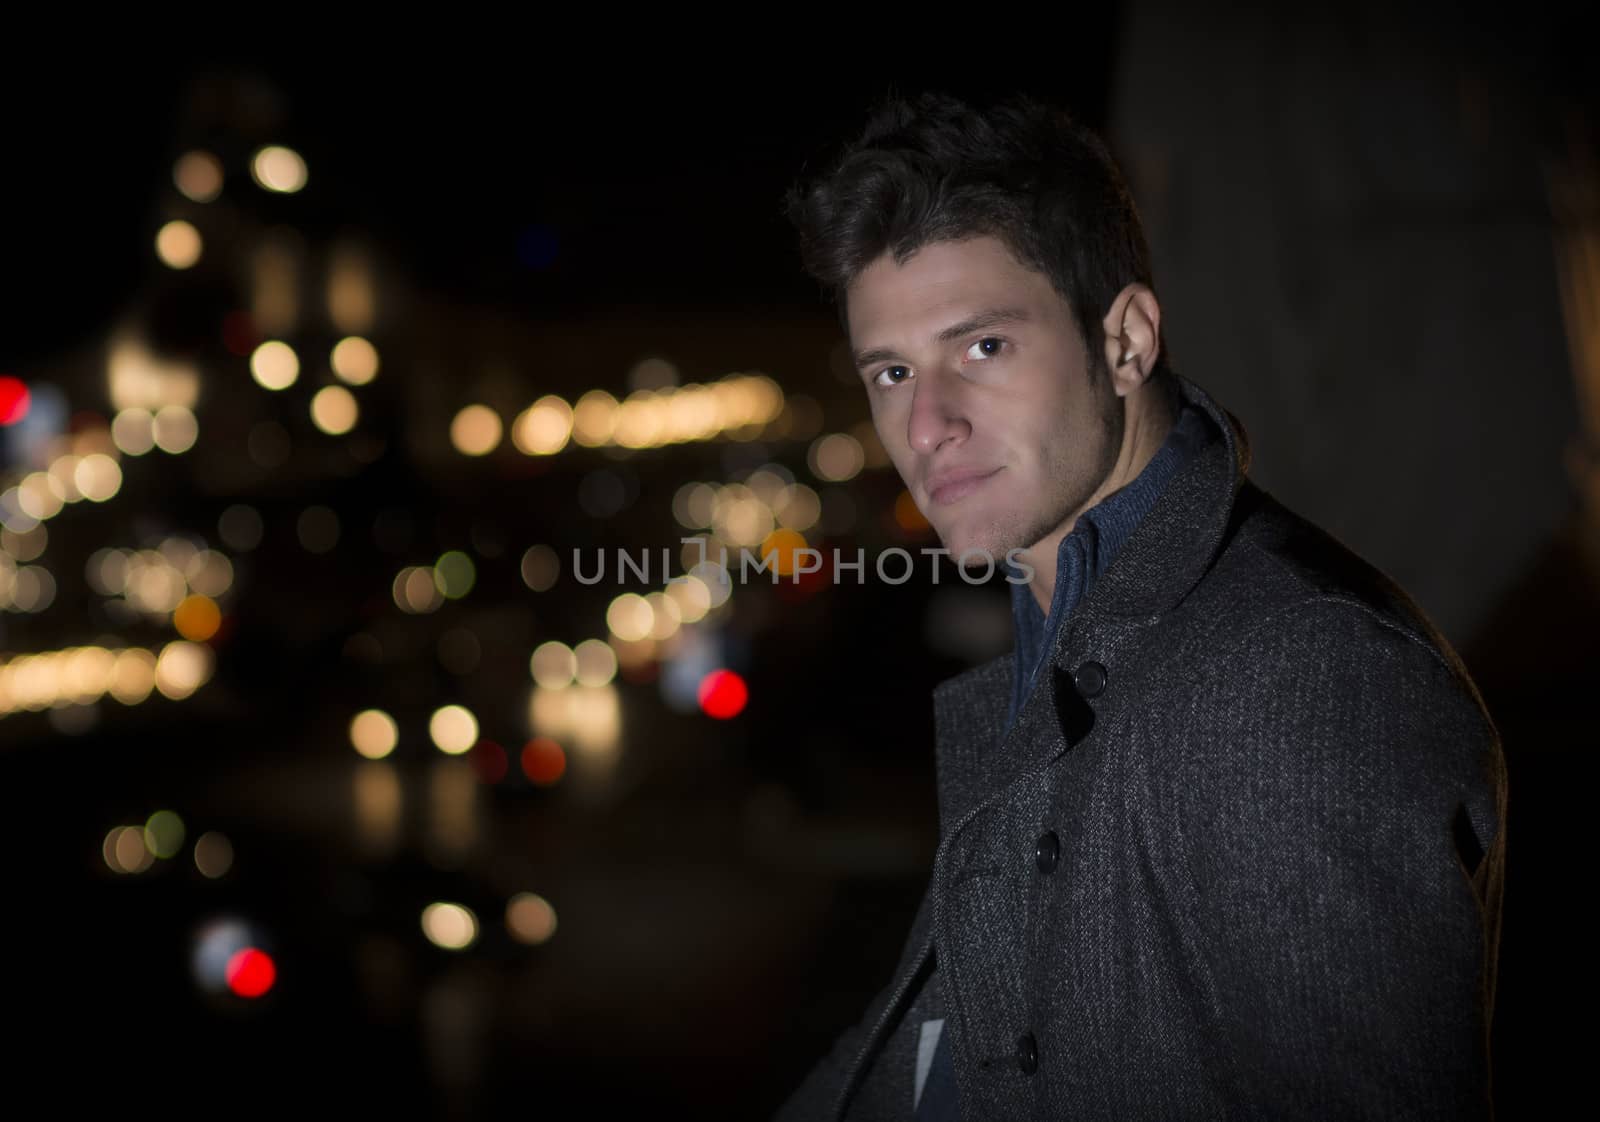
x=936 y=169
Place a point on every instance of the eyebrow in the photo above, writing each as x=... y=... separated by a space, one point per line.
x=993 y=317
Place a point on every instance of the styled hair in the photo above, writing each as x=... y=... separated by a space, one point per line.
x=935 y=169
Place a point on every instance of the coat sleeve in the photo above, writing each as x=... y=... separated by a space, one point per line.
x=1343 y=810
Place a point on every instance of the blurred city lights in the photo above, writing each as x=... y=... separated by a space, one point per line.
x=134 y=676
x=352 y=299
x=251 y=972
x=97 y=477
x=175 y=429
x=694 y=504
x=14 y=400
x=723 y=694
x=587 y=718
x=781 y=550
x=355 y=360
x=543 y=428
x=213 y=854
x=276 y=168
x=540 y=568
x=133 y=430
x=692 y=597
x=543 y=761
x=530 y=918
x=835 y=457
x=594 y=418
x=596 y=663
x=209 y=573
x=453 y=729
x=455 y=574
x=163 y=834
x=334 y=410
x=416 y=591
x=139 y=379
x=553 y=665
x=374 y=734
x=274 y=365
x=125 y=852
x=198 y=175
x=629 y=617
x=378 y=804
x=24 y=545
x=450 y=926
x=798 y=508
x=178 y=245
x=476 y=430
x=664 y=619
x=181 y=668
x=197 y=618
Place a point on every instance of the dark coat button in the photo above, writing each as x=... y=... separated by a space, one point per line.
x=1047 y=851
x=1090 y=678
x=1027 y=1053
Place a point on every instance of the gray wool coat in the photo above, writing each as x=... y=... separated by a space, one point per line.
x=1274 y=885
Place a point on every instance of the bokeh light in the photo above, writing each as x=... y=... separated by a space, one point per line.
x=476 y=431
x=530 y=918
x=540 y=568
x=280 y=169
x=14 y=400
x=455 y=574
x=553 y=665
x=198 y=175
x=175 y=429
x=251 y=972
x=374 y=734
x=453 y=729
x=334 y=410
x=596 y=663
x=836 y=457
x=543 y=428
x=133 y=431
x=213 y=854
x=274 y=365
x=181 y=668
x=355 y=360
x=178 y=244
x=197 y=618
x=97 y=477
x=450 y=926
x=723 y=694
x=629 y=617
x=163 y=834
x=543 y=761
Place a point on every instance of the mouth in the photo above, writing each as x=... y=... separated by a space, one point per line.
x=948 y=489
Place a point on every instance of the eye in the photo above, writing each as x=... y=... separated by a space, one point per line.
x=987 y=347
x=892 y=375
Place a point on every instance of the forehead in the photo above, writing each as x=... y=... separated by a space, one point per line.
x=942 y=283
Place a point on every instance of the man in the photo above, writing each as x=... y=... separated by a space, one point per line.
x=1223 y=837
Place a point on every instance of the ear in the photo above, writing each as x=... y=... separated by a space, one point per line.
x=1133 y=337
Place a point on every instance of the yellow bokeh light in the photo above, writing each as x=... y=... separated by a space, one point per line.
x=629 y=617
x=781 y=549
x=374 y=734
x=836 y=457
x=198 y=175
x=37 y=498
x=691 y=596
x=134 y=431
x=799 y=507
x=543 y=428
x=355 y=360
x=596 y=663
x=61 y=471
x=476 y=431
x=453 y=729
x=280 y=169
x=334 y=410
x=134 y=676
x=213 y=854
x=175 y=429
x=127 y=852
x=178 y=245
x=416 y=591
x=530 y=918
x=693 y=505
x=274 y=365
x=163 y=834
x=450 y=926
x=540 y=568
x=639 y=420
x=553 y=665
x=664 y=619
x=197 y=618
x=594 y=418
x=181 y=668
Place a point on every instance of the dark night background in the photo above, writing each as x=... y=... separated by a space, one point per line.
x=1360 y=252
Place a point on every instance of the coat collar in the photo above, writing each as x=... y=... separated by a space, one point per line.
x=1163 y=559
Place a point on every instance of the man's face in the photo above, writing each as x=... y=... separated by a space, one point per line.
x=982 y=394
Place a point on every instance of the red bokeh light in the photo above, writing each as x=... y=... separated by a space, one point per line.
x=543 y=761
x=723 y=694
x=14 y=400
x=251 y=972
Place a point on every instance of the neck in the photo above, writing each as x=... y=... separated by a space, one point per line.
x=1148 y=423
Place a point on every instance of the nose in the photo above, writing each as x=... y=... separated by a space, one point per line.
x=936 y=414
